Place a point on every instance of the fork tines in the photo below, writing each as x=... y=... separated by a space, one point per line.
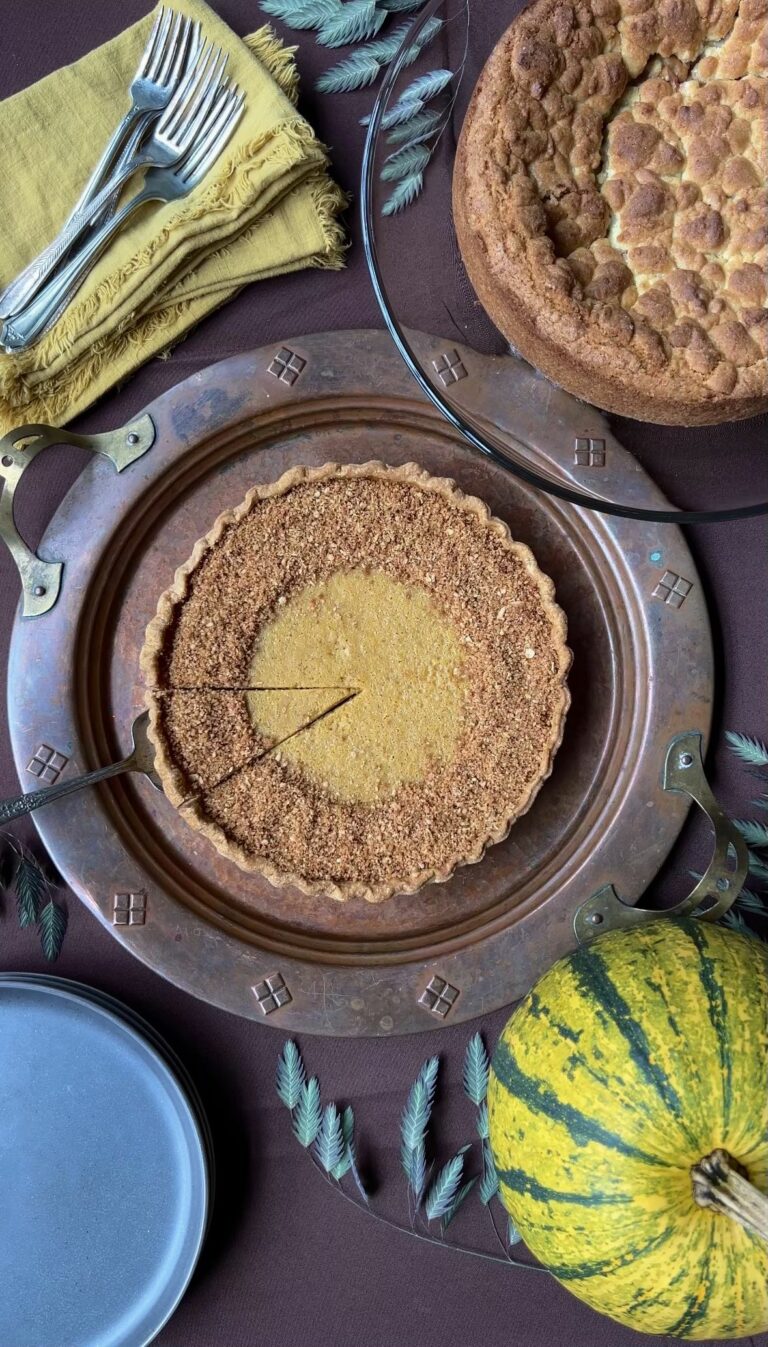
x=195 y=92
x=173 y=39
x=222 y=122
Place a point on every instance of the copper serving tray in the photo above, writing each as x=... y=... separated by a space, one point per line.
x=642 y=675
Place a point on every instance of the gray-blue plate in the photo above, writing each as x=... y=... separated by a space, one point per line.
x=146 y=1030
x=103 y=1175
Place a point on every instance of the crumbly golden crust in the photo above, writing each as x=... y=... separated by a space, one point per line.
x=422 y=531
x=200 y=737
x=610 y=201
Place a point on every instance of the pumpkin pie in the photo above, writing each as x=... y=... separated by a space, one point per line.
x=610 y=201
x=357 y=681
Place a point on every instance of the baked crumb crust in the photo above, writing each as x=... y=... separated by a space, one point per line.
x=610 y=201
x=265 y=814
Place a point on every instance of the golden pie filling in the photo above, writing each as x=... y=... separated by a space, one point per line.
x=611 y=202
x=357 y=683
x=401 y=660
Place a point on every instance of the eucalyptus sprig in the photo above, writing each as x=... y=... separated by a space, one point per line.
x=749 y=913
x=32 y=887
x=435 y=1194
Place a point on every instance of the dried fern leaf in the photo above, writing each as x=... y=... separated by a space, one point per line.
x=399 y=112
x=354 y=72
x=489 y=1186
x=53 y=925
x=754 y=834
x=444 y=1187
x=30 y=886
x=428 y=86
x=751 y=751
x=415 y=1165
x=415 y=1116
x=428 y=1077
x=404 y=194
x=757 y=866
x=348 y=1135
x=736 y=921
x=423 y=124
x=460 y=1197
x=353 y=22
x=290 y=1075
x=307 y=1116
x=301 y=14
x=748 y=901
x=476 y=1068
x=414 y=159
x=329 y=1143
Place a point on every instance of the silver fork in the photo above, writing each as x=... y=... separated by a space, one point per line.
x=186 y=58
x=160 y=184
x=175 y=133
x=172 y=39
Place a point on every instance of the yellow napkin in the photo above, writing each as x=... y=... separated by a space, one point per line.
x=267 y=206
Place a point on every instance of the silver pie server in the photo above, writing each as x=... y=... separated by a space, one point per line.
x=140 y=759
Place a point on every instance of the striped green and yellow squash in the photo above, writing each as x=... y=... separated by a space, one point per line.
x=632 y=1060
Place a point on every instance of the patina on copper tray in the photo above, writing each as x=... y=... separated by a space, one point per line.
x=642 y=675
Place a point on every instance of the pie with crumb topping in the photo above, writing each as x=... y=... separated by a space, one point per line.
x=357 y=682
x=611 y=206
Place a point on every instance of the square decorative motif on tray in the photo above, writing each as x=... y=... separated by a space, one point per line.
x=449 y=368
x=439 y=996
x=286 y=366
x=588 y=452
x=130 y=909
x=672 y=589
x=272 y=993
x=47 y=764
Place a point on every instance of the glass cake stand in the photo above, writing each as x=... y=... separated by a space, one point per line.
x=707 y=473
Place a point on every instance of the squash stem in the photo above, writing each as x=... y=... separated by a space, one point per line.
x=720 y=1183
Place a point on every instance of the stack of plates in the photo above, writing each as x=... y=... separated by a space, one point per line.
x=106 y=1169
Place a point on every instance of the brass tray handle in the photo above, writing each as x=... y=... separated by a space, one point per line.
x=715 y=892
x=41 y=580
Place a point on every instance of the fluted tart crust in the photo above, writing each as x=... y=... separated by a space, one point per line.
x=357 y=682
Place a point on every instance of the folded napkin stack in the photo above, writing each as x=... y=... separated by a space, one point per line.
x=266 y=207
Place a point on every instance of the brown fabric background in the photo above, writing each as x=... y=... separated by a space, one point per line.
x=287 y=1262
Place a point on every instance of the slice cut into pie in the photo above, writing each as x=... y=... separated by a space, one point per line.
x=357 y=682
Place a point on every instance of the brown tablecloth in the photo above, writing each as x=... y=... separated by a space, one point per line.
x=288 y=1262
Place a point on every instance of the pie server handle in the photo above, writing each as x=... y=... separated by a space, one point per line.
x=35 y=799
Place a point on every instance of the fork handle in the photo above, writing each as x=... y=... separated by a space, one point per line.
x=102 y=169
x=35 y=799
x=23 y=289
x=26 y=327
x=128 y=152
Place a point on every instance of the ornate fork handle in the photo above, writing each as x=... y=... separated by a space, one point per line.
x=22 y=289
x=23 y=329
x=35 y=799
x=16 y=299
